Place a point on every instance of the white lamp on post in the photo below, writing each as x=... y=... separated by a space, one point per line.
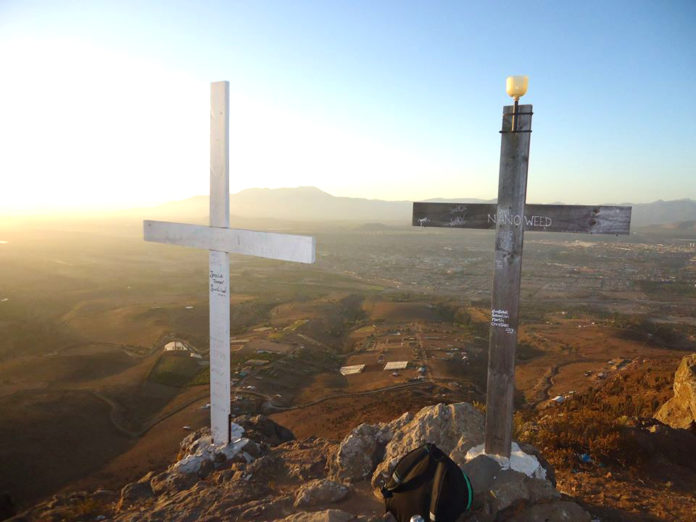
x=516 y=87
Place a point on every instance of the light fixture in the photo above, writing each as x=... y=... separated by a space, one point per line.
x=516 y=87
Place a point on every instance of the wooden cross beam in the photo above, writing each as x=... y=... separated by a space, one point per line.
x=510 y=218
x=221 y=240
x=585 y=219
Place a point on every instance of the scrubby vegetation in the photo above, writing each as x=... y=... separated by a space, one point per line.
x=601 y=422
x=174 y=369
x=662 y=335
x=245 y=315
x=564 y=437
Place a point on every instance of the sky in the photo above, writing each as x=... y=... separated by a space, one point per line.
x=105 y=104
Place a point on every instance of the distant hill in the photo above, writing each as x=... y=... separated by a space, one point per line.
x=663 y=212
x=312 y=204
x=683 y=229
x=293 y=204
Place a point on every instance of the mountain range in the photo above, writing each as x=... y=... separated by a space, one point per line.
x=313 y=204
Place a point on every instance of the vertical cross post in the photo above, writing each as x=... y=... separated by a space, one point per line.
x=219 y=264
x=512 y=191
x=220 y=240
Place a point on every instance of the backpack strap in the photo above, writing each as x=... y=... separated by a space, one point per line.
x=411 y=460
x=469 y=491
x=438 y=483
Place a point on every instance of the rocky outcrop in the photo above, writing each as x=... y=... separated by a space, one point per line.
x=519 y=460
x=314 y=480
x=680 y=410
x=500 y=492
x=454 y=428
x=263 y=430
x=497 y=489
x=71 y=506
x=358 y=454
x=135 y=492
x=197 y=450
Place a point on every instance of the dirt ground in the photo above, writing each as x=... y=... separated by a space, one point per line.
x=69 y=436
x=379 y=310
x=574 y=355
x=109 y=386
x=333 y=419
x=155 y=449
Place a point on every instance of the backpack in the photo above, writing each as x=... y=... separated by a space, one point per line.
x=427 y=482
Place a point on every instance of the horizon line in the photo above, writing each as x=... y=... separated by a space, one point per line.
x=111 y=208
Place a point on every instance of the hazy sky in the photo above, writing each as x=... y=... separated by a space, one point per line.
x=105 y=103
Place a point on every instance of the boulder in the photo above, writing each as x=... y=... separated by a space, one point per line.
x=541 y=490
x=262 y=429
x=359 y=453
x=206 y=468
x=508 y=489
x=454 y=428
x=255 y=450
x=497 y=489
x=190 y=442
x=172 y=482
x=680 y=410
x=267 y=468
x=481 y=472
x=134 y=492
x=519 y=460
x=320 y=491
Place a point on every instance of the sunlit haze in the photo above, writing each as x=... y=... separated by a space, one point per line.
x=105 y=104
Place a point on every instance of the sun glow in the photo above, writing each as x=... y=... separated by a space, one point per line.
x=87 y=127
x=84 y=126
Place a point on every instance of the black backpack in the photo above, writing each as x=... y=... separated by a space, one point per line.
x=427 y=482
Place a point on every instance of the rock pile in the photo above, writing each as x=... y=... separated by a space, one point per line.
x=264 y=474
x=372 y=450
x=501 y=493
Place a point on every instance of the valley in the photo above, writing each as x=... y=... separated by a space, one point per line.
x=89 y=397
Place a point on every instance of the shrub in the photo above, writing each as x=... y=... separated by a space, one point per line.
x=588 y=424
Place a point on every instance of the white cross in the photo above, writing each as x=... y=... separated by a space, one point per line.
x=221 y=240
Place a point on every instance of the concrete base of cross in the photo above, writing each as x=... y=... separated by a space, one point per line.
x=518 y=461
x=198 y=449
